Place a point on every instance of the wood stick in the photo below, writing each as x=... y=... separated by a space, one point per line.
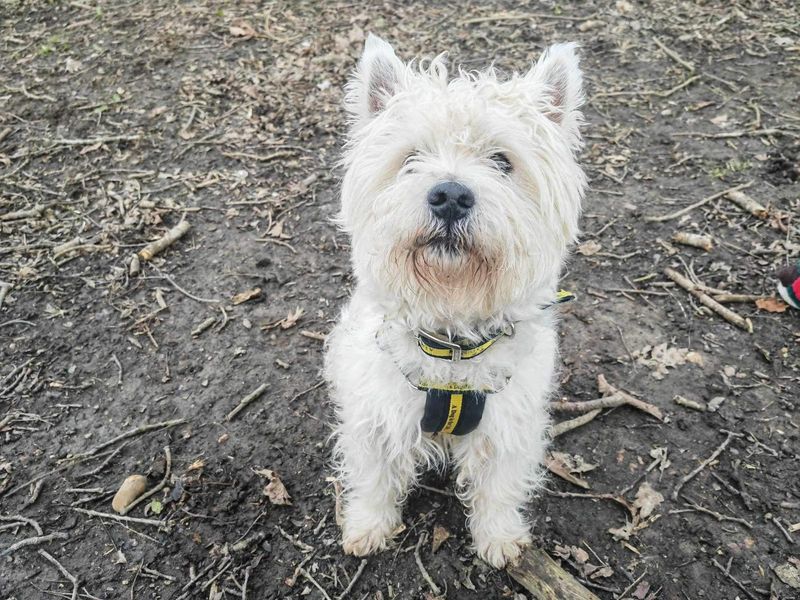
x=353 y=580
x=696 y=240
x=565 y=426
x=542 y=577
x=22 y=214
x=127 y=434
x=173 y=235
x=746 y=203
x=254 y=395
x=34 y=541
x=673 y=55
x=611 y=401
x=425 y=575
x=698 y=204
x=609 y=390
x=64 y=572
x=102 y=515
x=708 y=301
x=27 y=521
x=676 y=492
x=738 y=297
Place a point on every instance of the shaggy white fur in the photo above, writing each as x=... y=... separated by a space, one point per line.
x=412 y=126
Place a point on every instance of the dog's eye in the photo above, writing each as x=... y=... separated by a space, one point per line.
x=501 y=161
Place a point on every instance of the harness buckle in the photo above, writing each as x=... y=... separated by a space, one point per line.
x=455 y=349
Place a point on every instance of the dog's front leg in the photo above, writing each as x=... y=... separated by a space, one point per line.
x=376 y=471
x=496 y=477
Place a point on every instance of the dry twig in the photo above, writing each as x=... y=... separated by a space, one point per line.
x=425 y=575
x=691 y=207
x=173 y=235
x=254 y=395
x=708 y=301
x=64 y=572
x=676 y=492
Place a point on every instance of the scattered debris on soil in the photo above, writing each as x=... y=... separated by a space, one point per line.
x=134 y=343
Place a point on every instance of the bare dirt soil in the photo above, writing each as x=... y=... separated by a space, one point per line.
x=120 y=119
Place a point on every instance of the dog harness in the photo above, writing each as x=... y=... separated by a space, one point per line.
x=456 y=408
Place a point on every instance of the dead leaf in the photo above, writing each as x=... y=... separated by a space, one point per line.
x=72 y=66
x=647 y=500
x=641 y=590
x=622 y=533
x=589 y=248
x=274 y=490
x=242 y=29
x=789 y=574
x=574 y=462
x=773 y=305
x=276 y=231
x=246 y=295
x=557 y=467
x=579 y=554
x=292 y=318
x=440 y=535
x=605 y=571
x=662 y=357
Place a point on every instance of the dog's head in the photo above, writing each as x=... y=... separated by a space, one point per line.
x=462 y=194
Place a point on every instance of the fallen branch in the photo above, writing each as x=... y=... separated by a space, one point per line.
x=353 y=580
x=696 y=240
x=15 y=215
x=20 y=518
x=676 y=492
x=254 y=395
x=425 y=575
x=127 y=434
x=172 y=236
x=698 y=204
x=308 y=576
x=708 y=301
x=565 y=426
x=746 y=203
x=34 y=541
x=673 y=55
x=102 y=515
x=610 y=391
x=613 y=398
x=64 y=572
x=542 y=577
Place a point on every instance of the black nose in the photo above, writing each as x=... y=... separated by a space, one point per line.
x=450 y=200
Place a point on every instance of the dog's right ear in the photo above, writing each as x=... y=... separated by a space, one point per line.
x=375 y=80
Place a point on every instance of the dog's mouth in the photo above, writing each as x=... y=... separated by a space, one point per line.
x=446 y=241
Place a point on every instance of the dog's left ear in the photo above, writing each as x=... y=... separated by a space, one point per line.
x=558 y=70
x=376 y=79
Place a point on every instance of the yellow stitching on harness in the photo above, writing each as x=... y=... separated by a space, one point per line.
x=447 y=352
x=453 y=414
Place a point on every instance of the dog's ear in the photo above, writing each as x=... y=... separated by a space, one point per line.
x=375 y=81
x=559 y=72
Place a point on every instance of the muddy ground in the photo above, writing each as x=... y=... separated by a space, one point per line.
x=119 y=119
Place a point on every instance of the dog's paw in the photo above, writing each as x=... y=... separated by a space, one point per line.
x=361 y=543
x=500 y=552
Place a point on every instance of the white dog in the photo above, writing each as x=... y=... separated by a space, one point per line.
x=462 y=197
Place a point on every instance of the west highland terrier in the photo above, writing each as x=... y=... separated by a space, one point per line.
x=461 y=197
